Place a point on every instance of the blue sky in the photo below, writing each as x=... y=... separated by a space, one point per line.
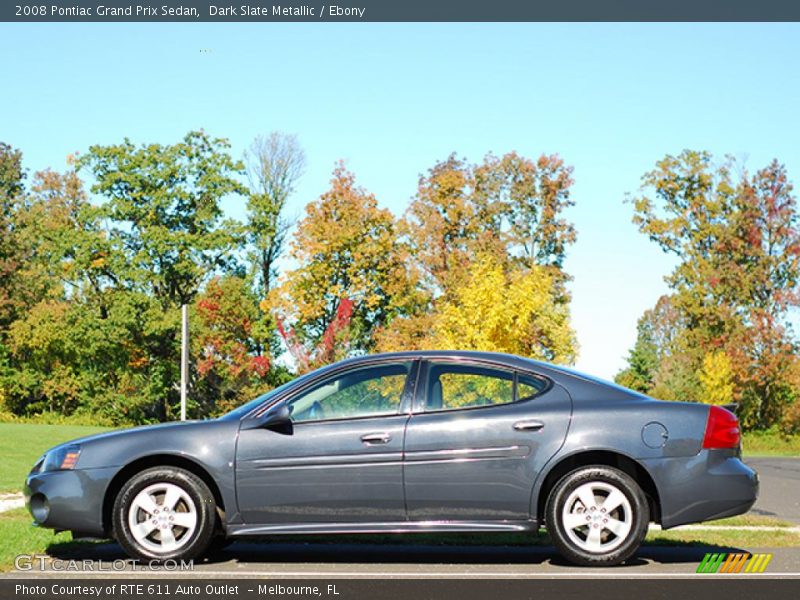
x=391 y=100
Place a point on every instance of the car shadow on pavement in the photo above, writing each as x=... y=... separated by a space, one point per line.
x=256 y=552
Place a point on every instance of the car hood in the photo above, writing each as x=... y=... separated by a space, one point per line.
x=130 y=431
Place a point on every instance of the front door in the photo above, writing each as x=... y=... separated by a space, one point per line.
x=339 y=462
x=478 y=438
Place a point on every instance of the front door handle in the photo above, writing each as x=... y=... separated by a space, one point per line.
x=528 y=425
x=376 y=438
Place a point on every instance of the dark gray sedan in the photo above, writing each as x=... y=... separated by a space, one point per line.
x=407 y=442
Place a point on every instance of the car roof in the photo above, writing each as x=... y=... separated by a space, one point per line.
x=556 y=372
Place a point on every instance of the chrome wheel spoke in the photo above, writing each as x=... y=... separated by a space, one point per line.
x=146 y=502
x=618 y=528
x=614 y=500
x=593 y=539
x=586 y=496
x=168 y=542
x=172 y=496
x=142 y=530
x=187 y=520
x=573 y=520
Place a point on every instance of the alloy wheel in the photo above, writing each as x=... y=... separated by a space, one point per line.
x=597 y=517
x=162 y=518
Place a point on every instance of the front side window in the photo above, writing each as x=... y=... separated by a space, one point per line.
x=365 y=392
x=452 y=386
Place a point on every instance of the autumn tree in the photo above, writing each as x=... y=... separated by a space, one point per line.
x=449 y=224
x=736 y=239
x=274 y=164
x=507 y=210
x=347 y=250
x=507 y=310
x=231 y=344
x=509 y=207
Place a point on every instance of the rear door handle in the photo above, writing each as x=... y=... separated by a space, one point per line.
x=376 y=438
x=528 y=425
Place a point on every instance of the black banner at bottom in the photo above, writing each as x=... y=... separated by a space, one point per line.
x=708 y=588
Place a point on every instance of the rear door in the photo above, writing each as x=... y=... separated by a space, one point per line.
x=479 y=435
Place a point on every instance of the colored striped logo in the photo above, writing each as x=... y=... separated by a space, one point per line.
x=734 y=563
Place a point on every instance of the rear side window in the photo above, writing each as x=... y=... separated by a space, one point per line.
x=529 y=387
x=452 y=386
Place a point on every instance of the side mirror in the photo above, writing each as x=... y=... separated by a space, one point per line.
x=278 y=416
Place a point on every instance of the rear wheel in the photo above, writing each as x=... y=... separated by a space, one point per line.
x=597 y=516
x=164 y=513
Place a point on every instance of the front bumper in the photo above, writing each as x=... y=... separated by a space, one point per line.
x=711 y=485
x=69 y=500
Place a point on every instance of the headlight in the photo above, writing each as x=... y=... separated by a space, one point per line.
x=61 y=458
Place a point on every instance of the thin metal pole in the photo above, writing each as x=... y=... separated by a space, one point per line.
x=184 y=357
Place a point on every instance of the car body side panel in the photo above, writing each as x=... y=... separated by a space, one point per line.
x=710 y=485
x=208 y=444
x=665 y=439
x=473 y=465
x=322 y=472
x=75 y=498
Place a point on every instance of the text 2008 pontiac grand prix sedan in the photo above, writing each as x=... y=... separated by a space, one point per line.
x=407 y=442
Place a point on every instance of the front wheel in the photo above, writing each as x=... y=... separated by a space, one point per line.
x=164 y=513
x=597 y=516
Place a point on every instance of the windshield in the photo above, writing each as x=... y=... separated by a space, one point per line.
x=238 y=413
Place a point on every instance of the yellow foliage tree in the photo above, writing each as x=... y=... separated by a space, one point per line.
x=514 y=310
x=716 y=378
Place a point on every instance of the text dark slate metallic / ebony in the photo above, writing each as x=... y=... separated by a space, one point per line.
x=407 y=442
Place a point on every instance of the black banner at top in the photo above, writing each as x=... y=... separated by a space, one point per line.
x=396 y=10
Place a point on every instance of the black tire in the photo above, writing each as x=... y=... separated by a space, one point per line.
x=573 y=545
x=197 y=494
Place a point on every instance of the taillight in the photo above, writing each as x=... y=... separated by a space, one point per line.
x=722 y=429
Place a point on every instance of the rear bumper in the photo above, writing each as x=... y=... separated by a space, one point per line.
x=711 y=485
x=69 y=500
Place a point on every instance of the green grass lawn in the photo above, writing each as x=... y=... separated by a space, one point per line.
x=770 y=443
x=18 y=536
x=22 y=443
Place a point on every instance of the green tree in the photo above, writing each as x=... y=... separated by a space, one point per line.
x=164 y=206
x=12 y=178
x=166 y=237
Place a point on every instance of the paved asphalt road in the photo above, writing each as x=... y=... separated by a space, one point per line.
x=780 y=497
x=779 y=494
x=328 y=561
